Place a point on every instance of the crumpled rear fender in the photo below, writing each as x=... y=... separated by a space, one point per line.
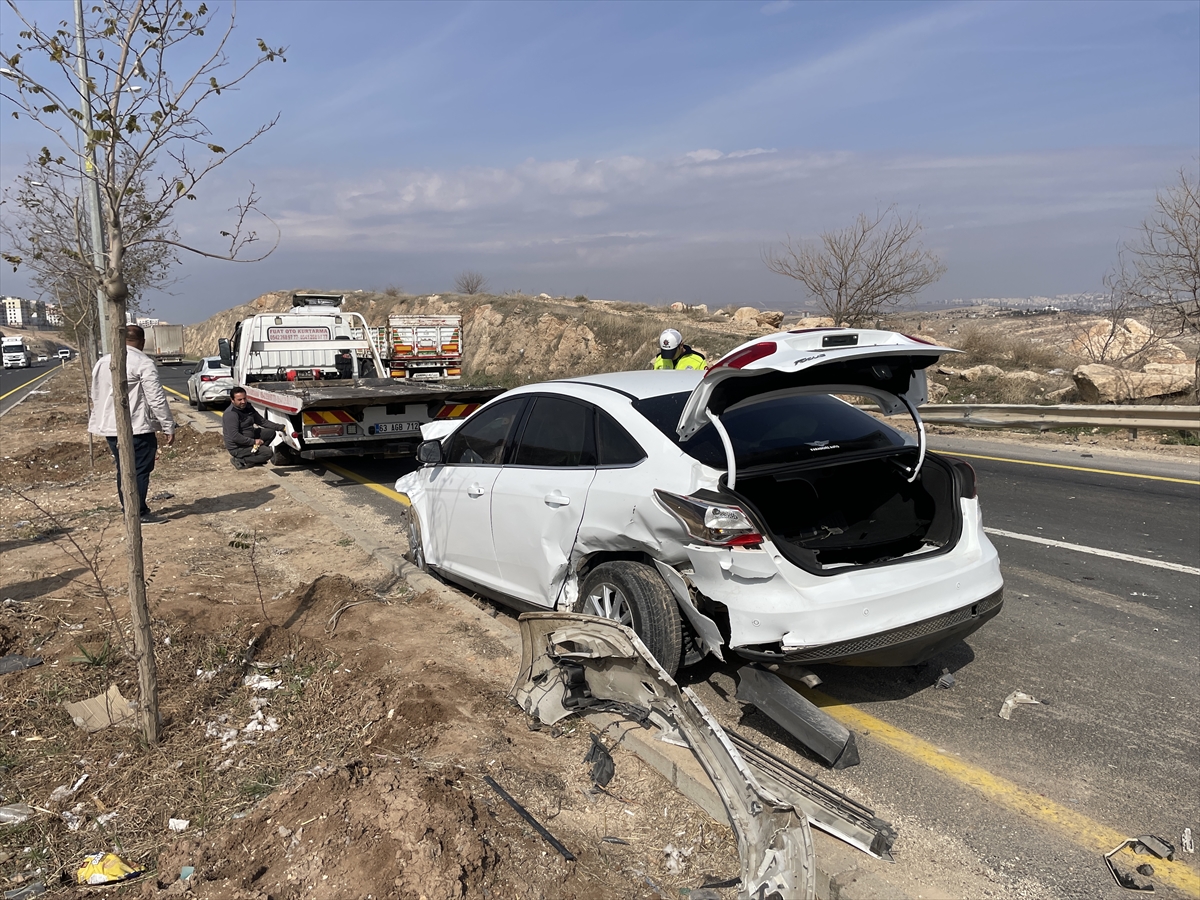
x=559 y=649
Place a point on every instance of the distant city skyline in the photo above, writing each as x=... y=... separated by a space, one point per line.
x=650 y=152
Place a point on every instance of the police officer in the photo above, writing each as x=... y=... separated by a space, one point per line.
x=673 y=353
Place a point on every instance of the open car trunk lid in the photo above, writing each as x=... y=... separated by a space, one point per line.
x=884 y=365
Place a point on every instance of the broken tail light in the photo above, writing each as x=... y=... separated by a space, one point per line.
x=211 y=377
x=712 y=523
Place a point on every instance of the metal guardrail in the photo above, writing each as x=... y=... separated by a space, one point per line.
x=996 y=415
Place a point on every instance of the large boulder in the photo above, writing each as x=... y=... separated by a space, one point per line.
x=770 y=318
x=677 y=307
x=937 y=392
x=1098 y=383
x=978 y=373
x=747 y=314
x=1106 y=340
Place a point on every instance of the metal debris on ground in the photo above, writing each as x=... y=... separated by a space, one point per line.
x=15 y=662
x=1013 y=700
x=33 y=889
x=603 y=767
x=1143 y=844
x=774 y=841
x=826 y=808
x=524 y=814
x=817 y=730
x=946 y=679
x=609 y=839
x=163 y=495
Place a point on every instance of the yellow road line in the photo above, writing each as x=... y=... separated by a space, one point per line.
x=1045 y=465
x=378 y=488
x=1078 y=828
x=28 y=383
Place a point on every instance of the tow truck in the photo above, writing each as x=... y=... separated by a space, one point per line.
x=314 y=371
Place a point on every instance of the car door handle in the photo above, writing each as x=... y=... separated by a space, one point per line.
x=555 y=498
x=475 y=490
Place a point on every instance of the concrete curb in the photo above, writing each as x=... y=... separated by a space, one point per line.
x=843 y=873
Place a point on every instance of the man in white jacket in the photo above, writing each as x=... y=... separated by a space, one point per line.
x=148 y=411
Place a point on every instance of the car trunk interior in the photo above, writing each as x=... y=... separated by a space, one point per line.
x=856 y=513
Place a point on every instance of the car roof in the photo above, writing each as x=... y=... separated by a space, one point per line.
x=642 y=384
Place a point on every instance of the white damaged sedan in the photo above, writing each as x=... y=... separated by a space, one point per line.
x=746 y=508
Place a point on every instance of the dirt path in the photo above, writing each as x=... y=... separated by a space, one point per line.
x=353 y=769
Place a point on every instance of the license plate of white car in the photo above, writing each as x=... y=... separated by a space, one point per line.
x=397 y=427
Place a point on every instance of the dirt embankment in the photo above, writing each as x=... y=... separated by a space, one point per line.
x=350 y=765
x=513 y=340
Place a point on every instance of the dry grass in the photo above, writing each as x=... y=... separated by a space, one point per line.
x=983 y=346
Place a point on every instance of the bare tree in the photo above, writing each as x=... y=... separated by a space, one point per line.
x=152 y=66
x=470 y=283
x=854 y=273
x=1165 y=270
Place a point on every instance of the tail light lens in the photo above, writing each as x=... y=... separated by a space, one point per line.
x=712 y=523
x=744 y=357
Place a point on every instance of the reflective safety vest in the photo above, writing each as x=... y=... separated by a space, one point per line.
x=689 y=360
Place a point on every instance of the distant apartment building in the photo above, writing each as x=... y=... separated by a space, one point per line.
x=54 y=316
x=146 y=321
x=21 y=313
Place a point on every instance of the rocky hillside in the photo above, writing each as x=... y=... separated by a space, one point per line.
x=515 y=339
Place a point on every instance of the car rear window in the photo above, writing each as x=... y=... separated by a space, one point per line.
x=776 y=431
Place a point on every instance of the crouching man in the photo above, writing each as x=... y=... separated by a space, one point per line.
x=243 y=428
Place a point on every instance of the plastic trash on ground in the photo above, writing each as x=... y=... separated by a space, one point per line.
x=104 y=868
x=1013 y=700
x=103 y=710
x=15 y=813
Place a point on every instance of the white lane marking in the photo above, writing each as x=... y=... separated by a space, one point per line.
x=1095 y=551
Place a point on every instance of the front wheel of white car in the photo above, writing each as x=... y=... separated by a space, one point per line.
x=634 y=594
x=416 y=552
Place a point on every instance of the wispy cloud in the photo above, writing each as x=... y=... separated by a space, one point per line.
x=775 y=7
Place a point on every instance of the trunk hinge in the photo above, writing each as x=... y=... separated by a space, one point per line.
x=731 y=478
x=912 y=411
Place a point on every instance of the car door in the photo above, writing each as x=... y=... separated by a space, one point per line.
x=539 y=498
x=459 y=526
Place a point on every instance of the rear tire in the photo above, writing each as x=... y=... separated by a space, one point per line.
x=192 y=402
x=634 y=594
x=284 y=456
x=416 y=550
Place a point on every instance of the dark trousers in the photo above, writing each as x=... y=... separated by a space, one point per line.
x=145 y=448
x=249 y=457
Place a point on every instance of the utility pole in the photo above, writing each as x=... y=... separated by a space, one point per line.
x=91 y=186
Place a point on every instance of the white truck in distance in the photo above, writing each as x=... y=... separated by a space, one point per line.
x=315 y=371
x=165 y=344
x=16 y=354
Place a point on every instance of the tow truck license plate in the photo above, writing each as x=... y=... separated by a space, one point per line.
x=397 y=427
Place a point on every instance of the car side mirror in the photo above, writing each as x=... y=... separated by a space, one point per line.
x=429 y=453
x=225 y=352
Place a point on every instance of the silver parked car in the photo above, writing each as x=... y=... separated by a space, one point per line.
x=209 y=383
x=747 y=508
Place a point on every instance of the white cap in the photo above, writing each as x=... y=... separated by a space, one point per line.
x=669 y=339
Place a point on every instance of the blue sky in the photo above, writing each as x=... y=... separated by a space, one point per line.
x=649 y=151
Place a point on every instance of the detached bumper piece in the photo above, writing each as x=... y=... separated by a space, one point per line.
x=816 y=730
x=570 y=662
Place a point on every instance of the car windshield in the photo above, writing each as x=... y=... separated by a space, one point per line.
x=776 y=431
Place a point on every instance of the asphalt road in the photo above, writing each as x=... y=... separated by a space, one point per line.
x=1110 y=646
x=15 y=384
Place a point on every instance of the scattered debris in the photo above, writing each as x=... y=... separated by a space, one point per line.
x=1013 y=700
x=816 y=730
x=15 y=662
x=830 y=810
x=103 y=711
x=261 y=682
x=163 y=495
x=15 y=813
x=33 y=889
x=65 y=792
x=104 y=868
x=602 y=762
x=704 y=894
x=1146 y=843
x=178 y=825
x=609 y=839
x=1189 y=846
x=186 y=872
x=571 y=662
x=797 y=673
x=946 y=680
x=524 y=814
